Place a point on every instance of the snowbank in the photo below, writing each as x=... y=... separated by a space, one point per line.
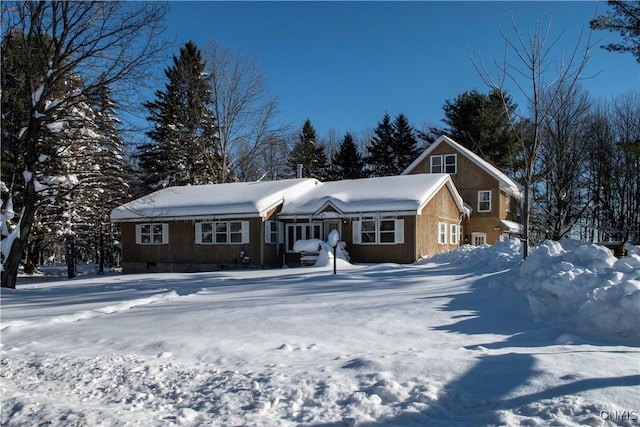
x=583 y=287
x=500 y=256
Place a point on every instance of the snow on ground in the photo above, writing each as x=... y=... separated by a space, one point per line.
x=470 y=337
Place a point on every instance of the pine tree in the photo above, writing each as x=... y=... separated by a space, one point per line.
x=478 y=122
x=183 y=148
x=347 y=162
x=405 y=147
x=310 y=154
x=380 y=150
x=114 y=175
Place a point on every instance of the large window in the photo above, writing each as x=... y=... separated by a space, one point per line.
x=222 y=232
x=152 y=234
x=484 y=201
x=444 y=163
x=384 y=231
x=298 y=231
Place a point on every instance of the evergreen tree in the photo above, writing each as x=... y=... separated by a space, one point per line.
x=625 y=19
x=347 y=162
x=393 y=147
x=405 y=147
x=183 y=148
x=380 y=150
x=478 y=121
x=310 y=154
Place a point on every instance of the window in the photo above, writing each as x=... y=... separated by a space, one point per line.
x=507 y=203
x=478 y=239
x=453 y=234
x=436 y=164
x=387 y=231
x=442 y=233
x=368 y=231
x=273 y=232
x=304 y=231
x=222 y=232
x=484 y=201
x=445 y=163
x=152 y=234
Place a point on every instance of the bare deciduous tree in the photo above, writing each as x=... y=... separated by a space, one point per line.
x=105 y=43
x=243 y=109
x=532 y=66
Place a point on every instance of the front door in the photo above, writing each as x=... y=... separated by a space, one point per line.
x=332 y=225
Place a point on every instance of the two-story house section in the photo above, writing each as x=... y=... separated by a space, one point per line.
x=494 y=199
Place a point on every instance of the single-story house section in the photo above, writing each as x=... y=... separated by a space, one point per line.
x=205 y=227
x=210 y=227
x=387 y=219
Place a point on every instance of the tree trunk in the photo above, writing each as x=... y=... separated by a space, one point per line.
x=71 y=258
x=101 y=253
x=12 y=263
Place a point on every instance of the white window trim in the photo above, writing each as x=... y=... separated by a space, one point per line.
x=442 y=233
x=306 y=227
x=436 y=156
x=454 y=234
x=481 y=235
x=484 y=201
x=455 y=163
x=165 y=234
x=443 y=163
x=244 y=233
x=269 y=234
x=398 y=232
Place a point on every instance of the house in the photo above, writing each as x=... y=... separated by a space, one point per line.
x=255 y=224
x=494 y=199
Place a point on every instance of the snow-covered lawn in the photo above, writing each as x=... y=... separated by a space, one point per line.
x=465 y=338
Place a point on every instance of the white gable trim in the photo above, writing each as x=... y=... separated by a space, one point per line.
x=506 y=183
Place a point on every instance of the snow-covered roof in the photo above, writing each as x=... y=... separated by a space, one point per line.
x=512 y=227
x=240 y=199
x=507 y=184
x=406 y=194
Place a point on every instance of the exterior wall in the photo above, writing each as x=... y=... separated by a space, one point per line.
x=469 y=180
x=397 y=253
x=184 y=255
x=442 y=208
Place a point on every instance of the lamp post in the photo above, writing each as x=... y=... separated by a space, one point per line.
x=334 y=237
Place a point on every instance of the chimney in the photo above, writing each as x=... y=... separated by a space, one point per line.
x=299 y=165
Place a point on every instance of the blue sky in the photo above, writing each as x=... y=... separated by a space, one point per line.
x=345 y=64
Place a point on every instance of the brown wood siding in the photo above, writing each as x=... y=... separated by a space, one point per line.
x=441 y=208
x=469 y=180
x=183 y=251
x=396 y=253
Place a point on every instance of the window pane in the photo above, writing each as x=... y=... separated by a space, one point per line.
x=450 y=163
x=387 y=225
x=157 y=238
x=145 y=238
x=387 y=237
x=236 y=237
x=145 y=229
x=206 y=227
x=368 y=226
x=235 y=226
x=221 y=237
x=368 y=237
x=436 y=164
x=157 y=229
x=221 y=227
x=207 y=237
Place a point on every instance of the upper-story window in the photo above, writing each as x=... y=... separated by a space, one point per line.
x=484 y=201
x=444 y=163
